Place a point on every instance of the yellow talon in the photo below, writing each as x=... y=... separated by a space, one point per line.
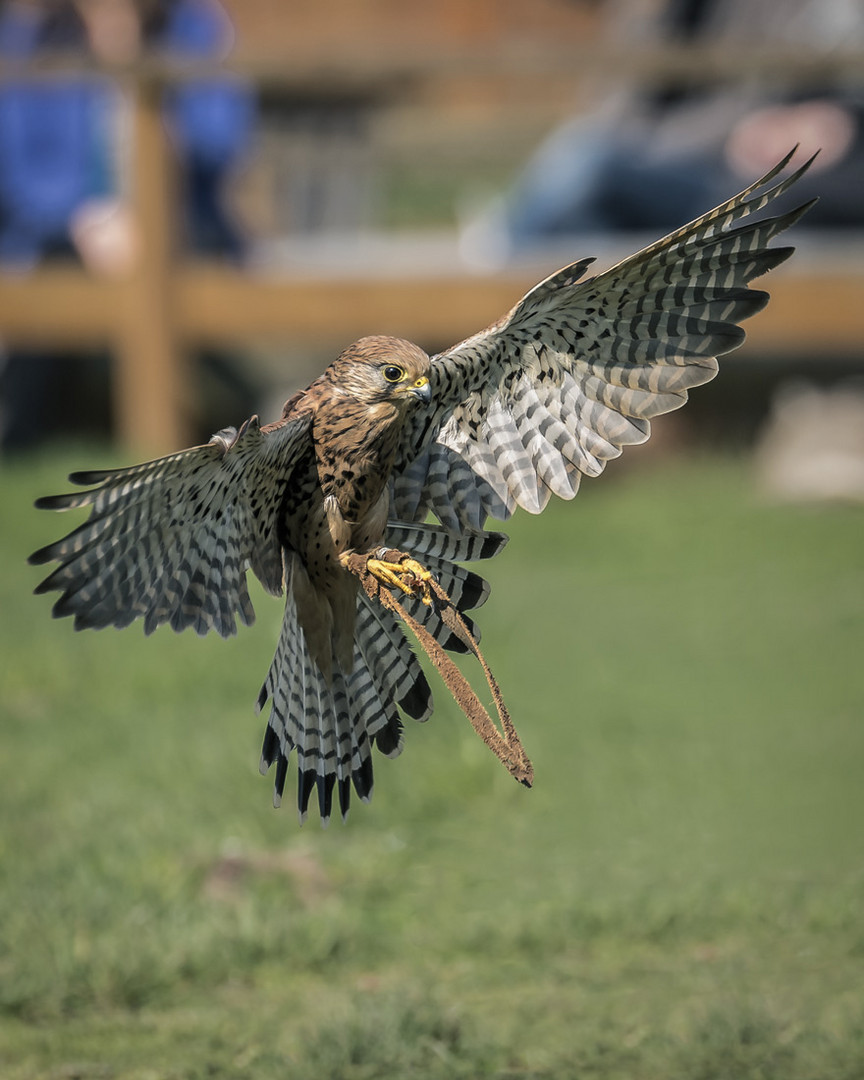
x=407 y=575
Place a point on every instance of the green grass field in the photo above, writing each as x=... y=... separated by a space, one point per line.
x=680 y=896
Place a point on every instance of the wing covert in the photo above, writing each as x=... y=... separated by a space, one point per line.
x=577 y=369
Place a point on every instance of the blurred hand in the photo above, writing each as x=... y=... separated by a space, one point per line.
x=104 y=233
x=762 y=138
x=113 y=29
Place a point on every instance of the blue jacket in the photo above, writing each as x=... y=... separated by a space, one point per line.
x=56 y=138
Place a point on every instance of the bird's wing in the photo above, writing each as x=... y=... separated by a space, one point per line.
x=553 y=390
x=170 y=540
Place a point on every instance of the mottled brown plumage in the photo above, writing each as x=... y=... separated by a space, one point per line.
x=341 y=501
x=384 y=438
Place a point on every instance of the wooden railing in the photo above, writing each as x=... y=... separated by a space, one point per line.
x=150 y=318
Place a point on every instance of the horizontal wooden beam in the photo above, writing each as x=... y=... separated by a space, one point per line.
x=814 y=311
x=810 y=313
x=60 y=306
x=365 y=67
x=810 y=309
x=217 y=304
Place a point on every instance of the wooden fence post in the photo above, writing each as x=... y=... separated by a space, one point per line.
x=150 y=387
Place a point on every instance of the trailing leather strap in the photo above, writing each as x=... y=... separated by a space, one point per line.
x=504 y=743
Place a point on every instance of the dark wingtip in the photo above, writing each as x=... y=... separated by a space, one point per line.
x=803 y=168
x=63 y=607
x=492 y=544
x=88 y=477
x=42 y=556
x=363 y=779
x=325 y=795
x=55 y=502
x=786 y=182
x=305 y=785
x=270 y=745
x=799 y=212
x=344 y=797
x=84 y=621
x=418 y=701
x=757 y=300
x=43 y=586
x=279 y=779
x=475 y=592
x=784 y=161
x=389 y=739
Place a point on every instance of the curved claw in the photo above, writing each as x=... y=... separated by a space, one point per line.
x=407 y=575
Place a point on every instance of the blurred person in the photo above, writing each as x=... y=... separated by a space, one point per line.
x=61 y=184
x=652 y=158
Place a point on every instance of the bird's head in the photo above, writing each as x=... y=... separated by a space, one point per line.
x=380 y=370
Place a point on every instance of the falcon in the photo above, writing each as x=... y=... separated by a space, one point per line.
x=401 y=459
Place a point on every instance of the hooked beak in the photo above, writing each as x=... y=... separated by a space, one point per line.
x=422 y=389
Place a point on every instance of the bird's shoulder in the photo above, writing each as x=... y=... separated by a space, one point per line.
x=302 y=404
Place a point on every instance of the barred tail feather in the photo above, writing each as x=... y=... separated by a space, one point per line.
x=332 y=720
x=372 y=685
x=342 y=720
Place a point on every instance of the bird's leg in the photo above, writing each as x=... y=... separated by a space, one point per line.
x=397 y=570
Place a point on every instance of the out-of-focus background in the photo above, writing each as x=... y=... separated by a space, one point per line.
x=201 y=203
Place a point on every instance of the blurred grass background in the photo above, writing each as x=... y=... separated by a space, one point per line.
x=679 y=896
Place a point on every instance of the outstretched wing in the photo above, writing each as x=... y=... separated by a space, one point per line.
x=170 y=540
x=575 y=371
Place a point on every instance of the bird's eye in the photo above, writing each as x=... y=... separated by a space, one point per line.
x=392 y=373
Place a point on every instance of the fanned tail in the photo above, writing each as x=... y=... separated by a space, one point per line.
x=331 y=721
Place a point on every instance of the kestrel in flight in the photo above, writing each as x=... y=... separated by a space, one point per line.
x=384 y=441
